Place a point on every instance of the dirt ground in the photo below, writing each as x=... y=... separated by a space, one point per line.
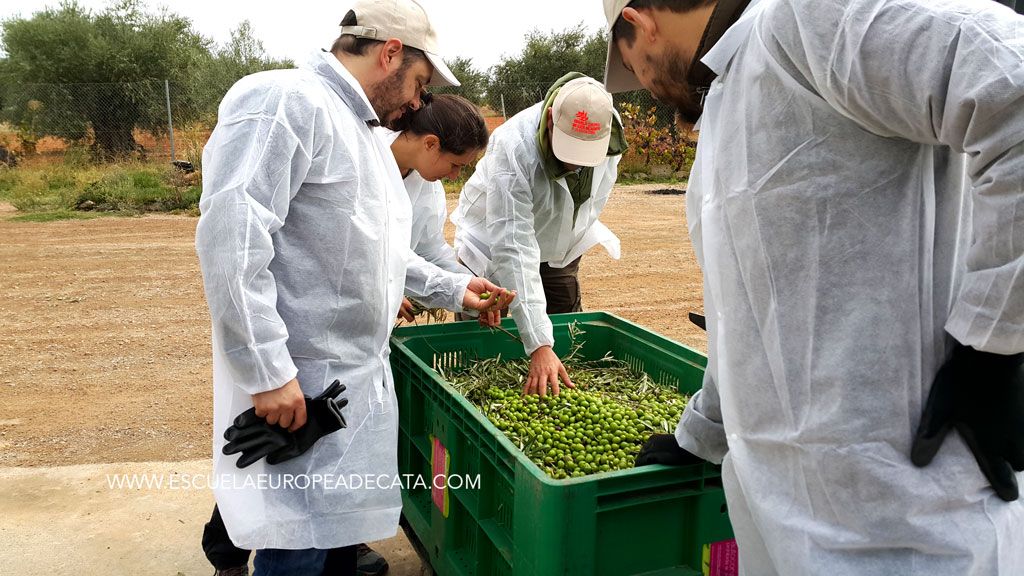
x=105 y=346
x=105 y=370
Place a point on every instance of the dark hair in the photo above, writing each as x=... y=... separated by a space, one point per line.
x=455 y=121
x=623 y=30
x=357 y=46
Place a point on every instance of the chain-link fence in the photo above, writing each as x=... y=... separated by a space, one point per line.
x=161 y=121
x=147 y=120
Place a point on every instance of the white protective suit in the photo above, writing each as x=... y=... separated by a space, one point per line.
x=858 y=193
x=511 y=217
x=304 y=247
x=429 y=211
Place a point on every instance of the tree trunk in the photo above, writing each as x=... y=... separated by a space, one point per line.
x=113 y=139
x=113 y=117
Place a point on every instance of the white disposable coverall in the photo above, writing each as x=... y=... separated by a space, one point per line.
x=511 y=217
x=304 y=247
x=429 y=211
x=857 y=194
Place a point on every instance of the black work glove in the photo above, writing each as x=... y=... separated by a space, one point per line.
x=254 y=438
x=699 y=320
x=664 y=449
x=982 y=395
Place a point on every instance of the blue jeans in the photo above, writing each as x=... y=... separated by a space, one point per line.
x=274 y=562
x=309 y=562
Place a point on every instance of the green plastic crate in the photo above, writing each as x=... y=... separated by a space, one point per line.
x=518 y=521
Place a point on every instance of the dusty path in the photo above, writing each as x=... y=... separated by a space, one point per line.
x=77 y=521
x=104 y=350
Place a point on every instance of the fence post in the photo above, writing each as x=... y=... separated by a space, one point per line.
x=170 y=122
x=503 y=114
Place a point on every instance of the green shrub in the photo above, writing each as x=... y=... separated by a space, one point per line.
x=78 y=156
x=38 y=190
x=126 y=190
x=652 y=144
x=59 y=179
x=8 y=181
x=65 y=191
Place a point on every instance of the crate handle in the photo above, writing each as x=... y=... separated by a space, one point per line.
x=650 y=494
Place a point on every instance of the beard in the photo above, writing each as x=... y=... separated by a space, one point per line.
x=386 y=98
x=671 y=85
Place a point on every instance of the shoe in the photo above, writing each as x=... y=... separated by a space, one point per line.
x=242 y=570
x=370 y=563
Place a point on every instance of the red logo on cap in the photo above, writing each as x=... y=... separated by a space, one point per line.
x=583 y=125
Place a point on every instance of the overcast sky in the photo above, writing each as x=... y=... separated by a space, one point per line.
x=483 y=30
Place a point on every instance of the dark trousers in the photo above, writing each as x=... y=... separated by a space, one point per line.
x=223 y=554
x=562 y=287
x=218 y=547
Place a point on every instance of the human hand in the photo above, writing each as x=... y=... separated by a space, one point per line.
x=284 y=406
x=405 y=311
x=545 y=369
x=488 y=299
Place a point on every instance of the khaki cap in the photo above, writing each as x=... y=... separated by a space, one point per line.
x=582 y=115
x=407 y=21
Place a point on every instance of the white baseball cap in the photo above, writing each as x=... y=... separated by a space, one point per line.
x=616 y=77
x=582 y=118
x=407 y=21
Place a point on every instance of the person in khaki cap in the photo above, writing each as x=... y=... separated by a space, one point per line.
x=531 y=209
x=857 y=208
x=304 y=244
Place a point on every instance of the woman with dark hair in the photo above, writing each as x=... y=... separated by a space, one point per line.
x=434 y=142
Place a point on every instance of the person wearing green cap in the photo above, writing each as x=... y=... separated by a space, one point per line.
x=531 y=209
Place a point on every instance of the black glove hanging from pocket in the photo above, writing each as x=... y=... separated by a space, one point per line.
x=254 y=438
x=982 y=395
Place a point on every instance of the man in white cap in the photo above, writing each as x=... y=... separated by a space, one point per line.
x=857 y=208
x=304 y=248
x=531 y=210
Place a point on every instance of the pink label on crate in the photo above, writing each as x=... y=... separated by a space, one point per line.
x=439 y=480
x=721 y=559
